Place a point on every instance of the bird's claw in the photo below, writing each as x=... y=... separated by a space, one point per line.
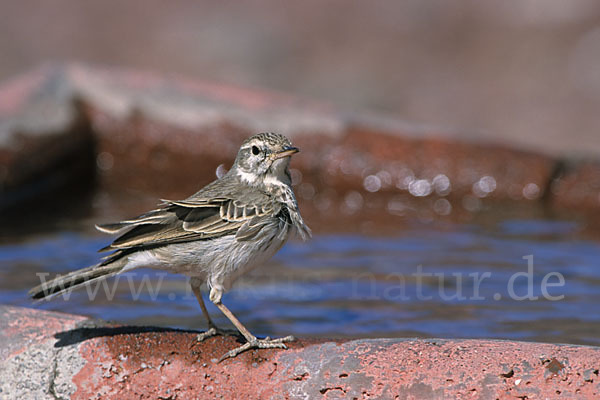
x=215 y=331
x=266 y=343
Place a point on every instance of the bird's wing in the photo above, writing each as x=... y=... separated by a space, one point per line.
x=187 y=220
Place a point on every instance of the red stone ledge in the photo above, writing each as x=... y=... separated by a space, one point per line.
x=53 y=355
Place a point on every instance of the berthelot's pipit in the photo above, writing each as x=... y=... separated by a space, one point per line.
x=214 y=236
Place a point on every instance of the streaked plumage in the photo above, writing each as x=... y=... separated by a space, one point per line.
x=226 y=228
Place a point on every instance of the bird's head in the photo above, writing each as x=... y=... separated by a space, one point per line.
x=264 y=159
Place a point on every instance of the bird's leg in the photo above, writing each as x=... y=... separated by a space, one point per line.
x=252 y=342
x=212 y=330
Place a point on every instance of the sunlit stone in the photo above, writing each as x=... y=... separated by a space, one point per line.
x=484 y=186
x=221 y=171
x=385 y=178
x=353 y=201
x=346 y=166
x=441 y=185
x=372 y=183
x=404 y=177
x=420 y=188
x=442 y=207
x=531 y=191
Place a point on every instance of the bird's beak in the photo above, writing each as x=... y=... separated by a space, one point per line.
x=288 y=151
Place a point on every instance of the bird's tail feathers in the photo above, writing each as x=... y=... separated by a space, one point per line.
x=76 y=279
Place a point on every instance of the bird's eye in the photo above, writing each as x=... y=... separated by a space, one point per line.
x=255 y=150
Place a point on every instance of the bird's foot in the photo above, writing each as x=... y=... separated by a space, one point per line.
x=215 y=331
x=266 y=343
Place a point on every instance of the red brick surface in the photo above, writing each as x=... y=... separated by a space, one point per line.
x=112 y=362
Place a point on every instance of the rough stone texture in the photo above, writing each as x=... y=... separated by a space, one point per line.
x=32 y=367
x=167 y=135
x=52 y=355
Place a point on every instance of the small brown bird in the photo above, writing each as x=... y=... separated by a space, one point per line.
x=228 y=227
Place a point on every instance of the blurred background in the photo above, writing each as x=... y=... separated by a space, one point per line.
x=518 y=71
x=523 y=73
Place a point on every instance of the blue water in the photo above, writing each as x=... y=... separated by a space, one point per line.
x=468 y=281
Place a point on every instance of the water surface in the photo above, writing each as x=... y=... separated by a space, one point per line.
x=428 y=280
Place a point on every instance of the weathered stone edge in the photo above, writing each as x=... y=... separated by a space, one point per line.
x=53 y=355
x=52 y=99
